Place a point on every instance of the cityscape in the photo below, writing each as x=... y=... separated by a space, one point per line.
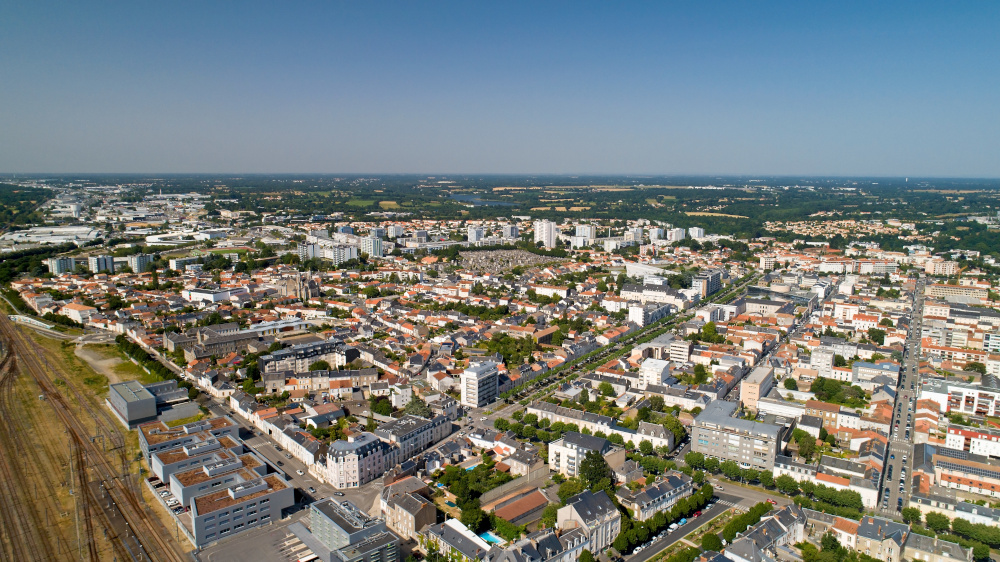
x=334 y=282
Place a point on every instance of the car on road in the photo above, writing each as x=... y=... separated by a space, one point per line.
x=772 y=502
x=892 y=456
x=288 y=456
x=281 y=463
x=338 y=494
x=299 y=472
x=312 y=490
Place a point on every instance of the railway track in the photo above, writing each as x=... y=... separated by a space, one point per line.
x=24 y=533
x=148 y=538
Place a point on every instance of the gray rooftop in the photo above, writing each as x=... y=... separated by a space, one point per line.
x=720 y=413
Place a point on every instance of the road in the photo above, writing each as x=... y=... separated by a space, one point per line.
x=895 y=487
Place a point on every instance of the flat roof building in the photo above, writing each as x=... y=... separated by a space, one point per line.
x=716 y=433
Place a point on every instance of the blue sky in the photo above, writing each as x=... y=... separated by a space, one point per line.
x=907 y=88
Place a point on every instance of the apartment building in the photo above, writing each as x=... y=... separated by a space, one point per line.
x=716 y=433
x=298 y=358
x=953 y=395
x=60 y=266
x=985 y=442
x=707 y=282
x=546 y=232
x=412 y=435
x=480 y=384
x=407 y=507
x=594 y=513
x=829 y=413
x=97 y=264
x=756 y=385
x=660 y=496
x=566 y=454
x=966 y=472
x=355 y=462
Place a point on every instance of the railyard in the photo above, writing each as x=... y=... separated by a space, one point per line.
x=68 y=490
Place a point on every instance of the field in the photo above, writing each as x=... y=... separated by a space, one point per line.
x=706 y=214
x=388 y=205
x=360 y=202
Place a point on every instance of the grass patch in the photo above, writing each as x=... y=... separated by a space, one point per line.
x=388 y=204
x=190 y=419
x=360 y=202
x=129 y=371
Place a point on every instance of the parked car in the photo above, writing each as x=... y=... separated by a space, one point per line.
x=299 y=472
x=312 y=490
x=338 y=493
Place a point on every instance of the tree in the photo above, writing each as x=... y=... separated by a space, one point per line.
x=839 y=361
x=319 y=366
x=700 y=374
x=712 y=464
x=645 y=447
x=731 y=470
x=586 y=556
x=885 y=322
x=790 y=384
x=694 y=460
x=976 y=367
x=911 y=515
x=656 y=403
x=370 y=426
x=473 y=518
x=606 y=389
x=877 y=335
x=594 y=468
x=549 y=516
x=937 y=522
x=829 y=542
x=570 y=488
x=382 y=407
x=786 y=484
x=766 y=479
x=807 y=448
x=711 y=541
x=417 y=407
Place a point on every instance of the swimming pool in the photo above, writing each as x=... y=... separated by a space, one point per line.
x=471 y=467
x=491 y=537
x=450 y=504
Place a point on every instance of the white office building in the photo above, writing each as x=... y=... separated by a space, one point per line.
x=586 y=230
x=372 y=246
x=696 y=232
x=479 y=384
x=546 y=233
x=476 y=233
